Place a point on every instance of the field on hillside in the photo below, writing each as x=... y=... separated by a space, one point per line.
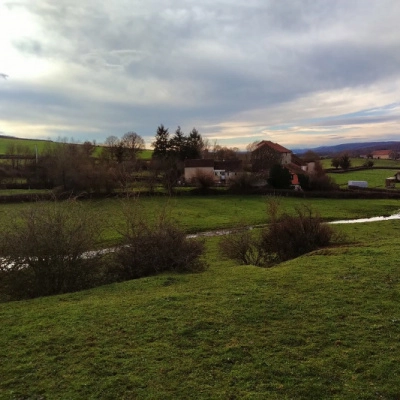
x=41 y=146
x=203 y=213
x=358 y=162
x=5 y=143
x=374 y=177
x=325 y=325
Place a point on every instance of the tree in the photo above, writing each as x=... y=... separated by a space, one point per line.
x=194 y=145
x=345 y=162
x=132 y=144
x=335 y=162
x=162 y=143
x=225 y=153
x=279 y=177
x=310 y=156
x=178 y=144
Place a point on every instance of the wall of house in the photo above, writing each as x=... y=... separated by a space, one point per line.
x=381 y=157
x=286 y=158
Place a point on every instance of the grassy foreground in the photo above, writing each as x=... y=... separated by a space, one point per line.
x=325 y=325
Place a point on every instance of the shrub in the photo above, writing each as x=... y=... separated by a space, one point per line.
x=285 y=238
x=150 y=249
x=291 y=236
x=243 y=247
x=203 y=180
x=242 y=183
x=43 y=251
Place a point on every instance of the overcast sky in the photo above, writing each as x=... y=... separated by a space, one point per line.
x=302 y=73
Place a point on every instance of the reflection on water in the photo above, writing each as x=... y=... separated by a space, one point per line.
x=360 y=220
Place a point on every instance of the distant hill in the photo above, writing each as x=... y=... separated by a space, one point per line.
x=352 y=148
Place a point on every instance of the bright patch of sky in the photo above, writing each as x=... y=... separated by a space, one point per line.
x=301 y=73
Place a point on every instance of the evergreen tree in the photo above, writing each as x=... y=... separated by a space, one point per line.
x=194 y=145
x=279 y=177
x=162 y=143
x=178 y=144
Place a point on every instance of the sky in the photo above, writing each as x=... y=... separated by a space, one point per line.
x=302 y=73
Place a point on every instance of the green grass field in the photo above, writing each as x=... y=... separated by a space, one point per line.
x=374 y=177
x=323 y=326
x=358 y=162
x=203 y=213
x=40 y=144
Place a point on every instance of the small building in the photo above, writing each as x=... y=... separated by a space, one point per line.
x=194 y=167
x=221 y=171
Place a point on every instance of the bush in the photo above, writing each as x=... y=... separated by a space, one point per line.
x=203 y=180
x=243 y=246
x=43 y=252
x=150 y=249
x=242 y=183
x=285 y=238
x=291 y=236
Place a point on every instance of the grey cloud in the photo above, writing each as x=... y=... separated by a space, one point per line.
x=233 y=56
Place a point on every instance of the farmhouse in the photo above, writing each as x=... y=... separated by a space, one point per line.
x=221 y=171
x=382 y=154
x=268 y=153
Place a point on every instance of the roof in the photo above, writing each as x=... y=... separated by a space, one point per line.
x=294 y=169
x=228 y=165
x=199 y=163
x=275 y=146
x=297 y=160
x=381 y=152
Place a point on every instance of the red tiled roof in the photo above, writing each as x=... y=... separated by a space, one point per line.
x=381 y=152
x=275 y=146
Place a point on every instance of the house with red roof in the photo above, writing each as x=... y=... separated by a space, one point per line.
x=267 y=153
x=382 y=154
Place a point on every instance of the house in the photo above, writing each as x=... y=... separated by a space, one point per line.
x=194 y=167
x=382 y=154
x=221 y=171
x=267 y=153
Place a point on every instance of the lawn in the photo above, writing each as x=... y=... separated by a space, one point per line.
x=323 y=326
x=374 y=177
x=203 y=213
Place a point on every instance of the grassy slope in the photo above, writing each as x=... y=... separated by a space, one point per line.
x=358 y=162
x=6 y=142
x=42 y=144
x=323 y=326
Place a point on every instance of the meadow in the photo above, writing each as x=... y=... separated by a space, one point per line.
x=204 y=213
x=5 y=143
x=374 y=177
x=358 y=162
x=325 y=325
